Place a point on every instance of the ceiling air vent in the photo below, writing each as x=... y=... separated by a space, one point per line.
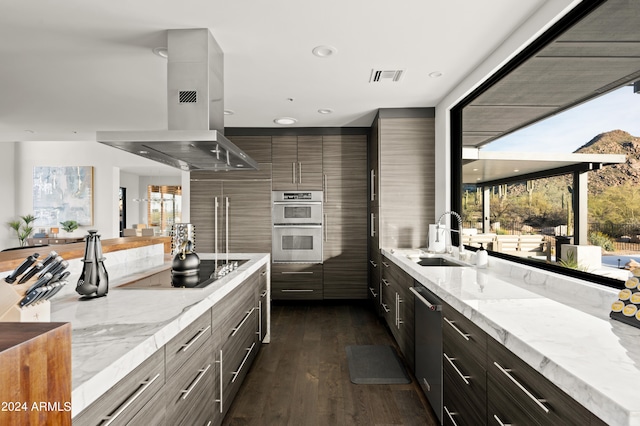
x=378 y=76
x=188 y=96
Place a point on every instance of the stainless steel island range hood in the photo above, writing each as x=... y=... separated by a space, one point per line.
x=195 y=94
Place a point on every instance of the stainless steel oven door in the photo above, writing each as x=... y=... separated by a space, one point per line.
x=300 y=243
x=293 y=213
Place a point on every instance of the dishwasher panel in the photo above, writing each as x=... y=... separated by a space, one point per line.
x=428 y=345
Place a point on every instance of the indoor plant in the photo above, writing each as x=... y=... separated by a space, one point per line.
x=69 y=225
x=23 y=227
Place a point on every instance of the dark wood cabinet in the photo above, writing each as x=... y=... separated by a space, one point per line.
x=344 y=162
x=130 y=395
x=401 y=186
x=296 y=281
x=249 y=213
x=194 y=377
x=518 y=385
x=398 y=307
x=297 y=163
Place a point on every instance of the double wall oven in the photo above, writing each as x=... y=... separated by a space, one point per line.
x=297 y=226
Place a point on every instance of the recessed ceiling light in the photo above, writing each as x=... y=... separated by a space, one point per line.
x=324 y=51
x=325 y=111
x=229 y=112
x=516 y=170
x=285 y=121
x=161 y=51
x=475 y=170
x=143 y=152
x=435 y=74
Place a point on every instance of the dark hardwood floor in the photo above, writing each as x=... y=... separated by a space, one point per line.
x=302 y=376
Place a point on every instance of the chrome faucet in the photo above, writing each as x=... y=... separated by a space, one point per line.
x=459 y=231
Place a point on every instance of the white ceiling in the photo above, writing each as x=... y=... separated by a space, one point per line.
x=72 y=67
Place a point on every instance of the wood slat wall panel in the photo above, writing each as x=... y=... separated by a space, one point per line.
x=407 y=180
x=345 y=192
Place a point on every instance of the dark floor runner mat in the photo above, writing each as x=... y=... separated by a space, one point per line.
x=375 y=365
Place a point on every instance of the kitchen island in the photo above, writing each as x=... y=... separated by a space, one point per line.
x=558 y=325
x=113 y=335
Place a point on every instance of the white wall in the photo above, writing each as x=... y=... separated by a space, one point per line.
x=17 y=177
x=523 y=36
x=8 y=176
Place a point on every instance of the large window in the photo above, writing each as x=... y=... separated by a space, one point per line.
x=164 y=208
x=572 y=95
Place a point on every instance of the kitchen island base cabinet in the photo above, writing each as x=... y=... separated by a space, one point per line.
x=194 y=377
x=130 y=395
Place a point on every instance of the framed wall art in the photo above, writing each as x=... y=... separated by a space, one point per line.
x=63 y=193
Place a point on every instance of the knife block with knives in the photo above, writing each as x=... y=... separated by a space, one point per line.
x=25 y=293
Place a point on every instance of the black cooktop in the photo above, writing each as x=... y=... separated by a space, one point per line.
x=167 y=280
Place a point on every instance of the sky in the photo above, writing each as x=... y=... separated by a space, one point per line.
x=569 y=130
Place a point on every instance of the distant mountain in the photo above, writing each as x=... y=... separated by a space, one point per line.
x=614 y=142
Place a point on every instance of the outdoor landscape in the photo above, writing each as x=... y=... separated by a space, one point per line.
x=543 y=206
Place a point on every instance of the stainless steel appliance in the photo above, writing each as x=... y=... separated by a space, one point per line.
x=297 y=226
x=428 y=345
x=195 y=138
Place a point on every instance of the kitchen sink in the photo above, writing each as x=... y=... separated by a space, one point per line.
x=437 y=261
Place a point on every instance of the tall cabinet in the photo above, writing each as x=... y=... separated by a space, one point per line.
x=401 y=185
x=248 y=194
x=344 y=160
x=333 y=161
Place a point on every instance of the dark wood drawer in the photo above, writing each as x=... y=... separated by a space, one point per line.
x=465 y=379
x=153 y=413
x=459 y=409
x=191 y=388
x=533 y=393
x=186 y=343
x=237 y=355
x=293 y=281
x=463 y=335
x=123 y=401
x=233 y=309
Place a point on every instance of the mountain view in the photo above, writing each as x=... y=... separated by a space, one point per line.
x=614 y=195
x=614 y=142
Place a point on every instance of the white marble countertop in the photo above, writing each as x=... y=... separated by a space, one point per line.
x=558 y=325
x=112 y=335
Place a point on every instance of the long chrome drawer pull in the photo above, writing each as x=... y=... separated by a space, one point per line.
x=385 y=282
x=464 y=335
x=375 y=265
x=384 y=306
x=221 y=380
x=201 y=333
x=426 y=384
x=296 y=272
x=450 y=415
x=425 y=301
x=386 y=265
x=145 y=385
x=246 y=357
x=373 y=293
x=500 y=422
x=193 y=385
x=462 y=376
x=297 y=291
x=506 y=372
x=246 y=317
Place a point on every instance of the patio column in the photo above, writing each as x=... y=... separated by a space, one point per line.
x=486 y=209
x=580 y=207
